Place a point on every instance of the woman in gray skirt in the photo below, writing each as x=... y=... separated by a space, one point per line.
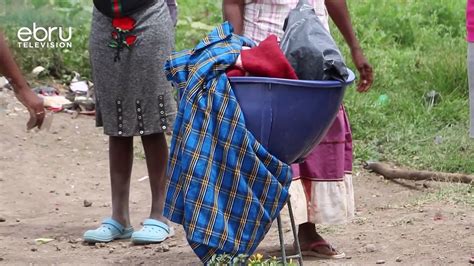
x=129 y=43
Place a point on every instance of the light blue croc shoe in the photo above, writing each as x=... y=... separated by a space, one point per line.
x=153 y=232
x=108 y=231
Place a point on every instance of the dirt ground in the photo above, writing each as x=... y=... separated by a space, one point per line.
x=46 y=176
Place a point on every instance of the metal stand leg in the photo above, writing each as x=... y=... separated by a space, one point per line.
x=282 y=240
x=295 y=234
x=298 y=254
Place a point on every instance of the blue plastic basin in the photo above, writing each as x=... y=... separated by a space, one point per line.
x=289 y=117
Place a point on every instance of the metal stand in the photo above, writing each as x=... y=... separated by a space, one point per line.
x=298 y=254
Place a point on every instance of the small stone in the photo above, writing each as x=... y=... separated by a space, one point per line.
x=73 y=246
x=380 y=262
x=100 y=245
x=17 y=220
x=57 y=248
x=78 y=163
x=398 y=260
x=123 y=245
x=370 y=248
x=87 y=203
x=348 y=257
x=166 y=248
x=111 y=250
x=59 y=139
x=34 y=249
x=67 y=194
x=2 y=220
x=1 y=259
x=57 y=209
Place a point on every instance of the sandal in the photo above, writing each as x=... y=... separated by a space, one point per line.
x=318 y=244
x=108 y=231
x=153 y=232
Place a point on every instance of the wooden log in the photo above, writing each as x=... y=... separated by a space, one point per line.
x=394 y=173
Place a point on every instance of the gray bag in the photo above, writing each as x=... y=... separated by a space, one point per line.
x=309 y=47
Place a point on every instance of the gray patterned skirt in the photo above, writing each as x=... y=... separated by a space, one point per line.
x=133 y=97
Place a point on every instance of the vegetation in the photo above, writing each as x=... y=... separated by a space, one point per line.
x=415 y=47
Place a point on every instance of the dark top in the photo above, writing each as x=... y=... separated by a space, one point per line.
x=116 y=8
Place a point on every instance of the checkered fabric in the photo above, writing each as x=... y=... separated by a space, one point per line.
x=225 y=188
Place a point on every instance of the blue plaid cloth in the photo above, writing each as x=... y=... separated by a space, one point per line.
x=225 y=188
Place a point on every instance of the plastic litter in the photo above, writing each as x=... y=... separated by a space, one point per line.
x=38 y=71
x=383 y=100
x=40 y=241
x=80 y=86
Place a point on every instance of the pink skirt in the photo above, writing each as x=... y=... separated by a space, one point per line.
x=322 y=190
x=332 y=158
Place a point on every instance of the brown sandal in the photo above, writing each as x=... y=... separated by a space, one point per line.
x=313 y=253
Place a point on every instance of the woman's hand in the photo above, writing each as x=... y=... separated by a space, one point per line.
x=35 y=107
x=365 y=70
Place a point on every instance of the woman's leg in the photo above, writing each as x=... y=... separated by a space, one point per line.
x=121 y=161
x=307 y=233
x=156 y=153
x=311 y=242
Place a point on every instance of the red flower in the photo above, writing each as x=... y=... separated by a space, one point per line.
x=124 y=23
x=130 y=39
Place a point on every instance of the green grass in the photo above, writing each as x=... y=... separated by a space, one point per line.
x=460 y=194
x=415 y=47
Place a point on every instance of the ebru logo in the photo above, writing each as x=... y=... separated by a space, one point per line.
x=40 y=37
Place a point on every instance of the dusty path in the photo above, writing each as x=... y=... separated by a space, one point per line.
x=45 y=178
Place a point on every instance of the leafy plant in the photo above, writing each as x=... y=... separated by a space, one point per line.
x=241 y=260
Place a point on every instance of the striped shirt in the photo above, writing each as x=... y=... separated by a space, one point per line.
x=265 y=17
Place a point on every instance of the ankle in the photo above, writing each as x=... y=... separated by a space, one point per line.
x=159 y=217
x=124 y=221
